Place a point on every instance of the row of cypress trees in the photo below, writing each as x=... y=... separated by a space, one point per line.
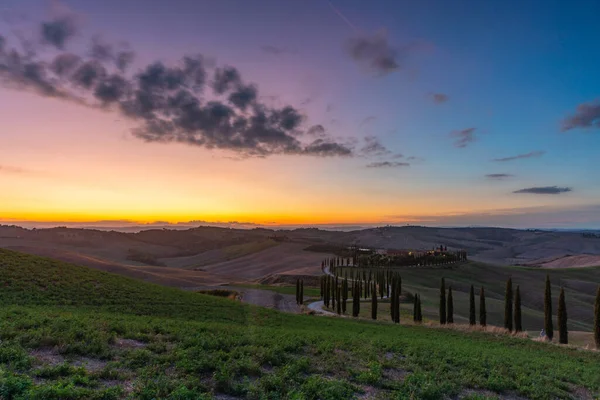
x=389 y=283
x=447 y=306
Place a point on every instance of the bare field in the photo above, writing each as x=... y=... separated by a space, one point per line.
x=274 y=260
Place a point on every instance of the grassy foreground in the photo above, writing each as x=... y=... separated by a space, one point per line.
x=70 y=332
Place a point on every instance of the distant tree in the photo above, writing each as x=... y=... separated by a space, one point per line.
x=393 y=302
x=450 y=315
x=508 y=306
x=563 y=333
x=597 y=319
x=518 y=318
x=302 y=292
x=297 y=291
x=338 y=292
x=374 y=303
x=482 y=311
x=443 y=302
x=548 y=325
x=419 y=313
x=415 y=305
x=344 y=295
x=472 y=320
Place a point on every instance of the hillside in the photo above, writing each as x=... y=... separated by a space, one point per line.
x=214 y=256
x=72 y=332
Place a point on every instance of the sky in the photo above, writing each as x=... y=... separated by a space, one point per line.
x=297 y=112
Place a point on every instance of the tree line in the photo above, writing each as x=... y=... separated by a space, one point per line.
x=377 y=285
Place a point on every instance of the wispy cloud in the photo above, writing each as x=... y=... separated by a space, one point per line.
x=544 y=190
x=439 y=98
x=587 y=115
x=8 y=169
x=531 y=154
x=388 y=164
x=373 y=147
x=274 y=50
x=374 y=53
x=368 y=120
x=499 y=176
x=463 y=137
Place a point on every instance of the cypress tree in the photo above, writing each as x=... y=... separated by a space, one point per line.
x=398 y=289
x=472 y=320
x=443 y=302
x=419 y=313
x=392 y=303
x=374 y=303
x=302 y=292
x=332 y=293
x=508 y=306
x=548 y=325
x=518 y=319
x=450 y=315
x=415 y=314
x=344 y=295
x=338 y=291
x=482 y=311
x=297 y=291
x=563 y=333
x=597 y=319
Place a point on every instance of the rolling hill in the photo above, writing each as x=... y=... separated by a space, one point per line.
x=71 y=332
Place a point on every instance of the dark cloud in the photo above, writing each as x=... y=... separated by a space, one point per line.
x=439 y=98
x=65 y=63
x=243 y=96
x=544 y=190
x=111 y=89
x=124 y=58
x=531 y=154
x=374 y=53
x=388 y=164
x=169 y=103
x=463 y=137
x=373 y=147
x=101 y=50
x=587 y=115
x=88 y=74
x=58 y=31
x=329 y=108
x=324 y=148
x=398 y=155
x=316 y=130
x=225 y=79
x=499 y=176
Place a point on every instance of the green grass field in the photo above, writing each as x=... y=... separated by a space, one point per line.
x=69 y=332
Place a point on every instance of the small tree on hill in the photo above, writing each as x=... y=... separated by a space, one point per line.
x=443 y=302
x=518 y=319
x=563 y=334
x=482 y=310
x=415 y=305
x=548 y=325
x=508 y=306
x=472 y=320
x=597 y=319
x=374 y=303
x=338 y=294
x=450 y=315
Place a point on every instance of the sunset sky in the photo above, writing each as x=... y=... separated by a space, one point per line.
x=301 y=112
